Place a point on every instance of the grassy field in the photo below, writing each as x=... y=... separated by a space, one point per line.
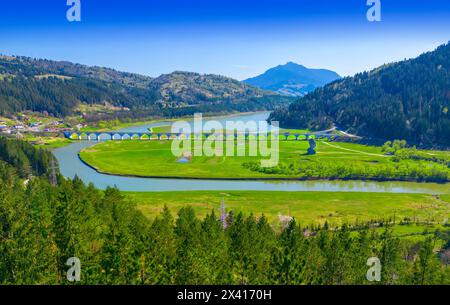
x=307 y=207
x=106 y=126
x=47 y=142
x=155 y=159
x=161 y=129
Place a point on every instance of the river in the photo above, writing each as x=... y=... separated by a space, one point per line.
x=71 y=166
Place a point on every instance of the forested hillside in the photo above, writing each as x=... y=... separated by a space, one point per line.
x=406 y=100
x=42 y=226
x=25 y=158
x=58 y=87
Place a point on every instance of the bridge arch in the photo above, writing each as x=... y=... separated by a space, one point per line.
x=116 y=136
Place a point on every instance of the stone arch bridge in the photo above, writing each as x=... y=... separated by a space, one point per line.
x=98 y=136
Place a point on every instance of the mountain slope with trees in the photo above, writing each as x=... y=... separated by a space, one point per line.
x=59 y=87
x=405 y=100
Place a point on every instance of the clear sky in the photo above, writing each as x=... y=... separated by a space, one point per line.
x=229 y=37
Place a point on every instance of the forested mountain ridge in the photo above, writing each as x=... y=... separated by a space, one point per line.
x=293 y=79
x=405 y=100
x=58 y=87
x=27 y=66
x=192 y=88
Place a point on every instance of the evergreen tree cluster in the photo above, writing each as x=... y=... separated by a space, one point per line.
x=25 y=158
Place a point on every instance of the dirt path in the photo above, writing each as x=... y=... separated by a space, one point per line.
x=352 y=150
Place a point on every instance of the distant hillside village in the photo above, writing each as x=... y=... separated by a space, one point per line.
x=24 y=123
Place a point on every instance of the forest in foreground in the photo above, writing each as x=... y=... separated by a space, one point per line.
x=44 y=222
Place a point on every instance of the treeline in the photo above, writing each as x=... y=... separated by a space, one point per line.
x=406 y=100
x=400 y=151
x=421 y=171
x=42 y=226
x=60 y=96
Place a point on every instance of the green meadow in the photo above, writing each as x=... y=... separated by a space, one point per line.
x=155 y=158
x=149 y=158
x=307 y=208
x=47 y=142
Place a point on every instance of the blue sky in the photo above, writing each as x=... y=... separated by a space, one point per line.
x=234 y=38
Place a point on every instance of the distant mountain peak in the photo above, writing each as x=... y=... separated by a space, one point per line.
x=292 y=64
x=293 y=79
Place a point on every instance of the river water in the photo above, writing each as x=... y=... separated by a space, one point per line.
x=71 y=166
